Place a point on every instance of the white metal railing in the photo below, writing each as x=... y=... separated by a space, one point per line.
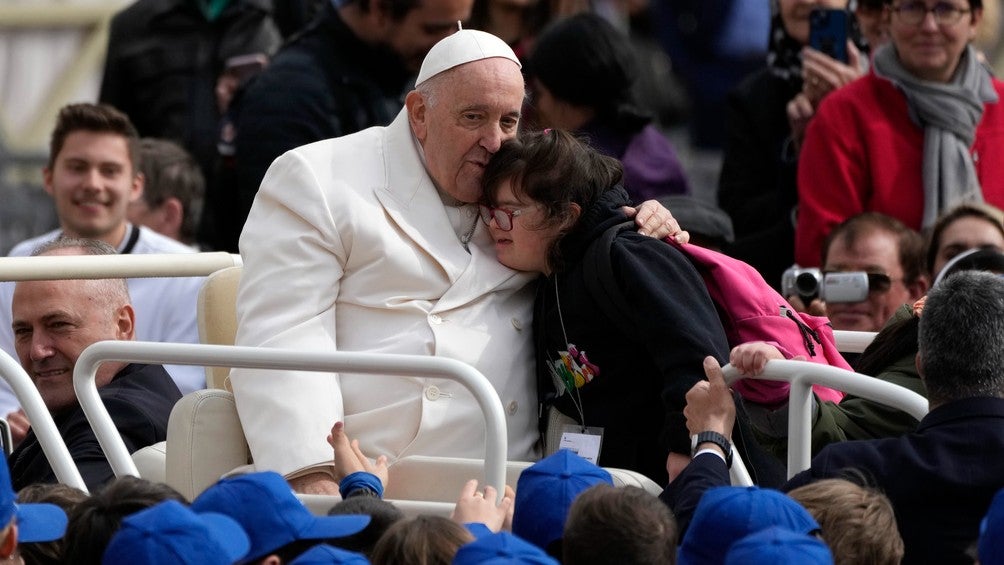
x=802 y=375
x=283 y=359
x=115 y=266
x=41 y=422
x=852 y=342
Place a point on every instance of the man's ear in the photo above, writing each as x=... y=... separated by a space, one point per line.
x=125 y=323
x=136 y=190
x=918 y=288
x=418 y=113
x=919 y=363
x=47 y=179
x=173 y=214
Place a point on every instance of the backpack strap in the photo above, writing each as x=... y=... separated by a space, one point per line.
x=600 y=280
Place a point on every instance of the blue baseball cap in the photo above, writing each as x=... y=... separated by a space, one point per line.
x=170 y=533
x=265 y=506
x=325 y=554
x=779 y=546
x=725 y=515
x=991 y=544
x=36 y=522
x=500 y=548
x=545 y=491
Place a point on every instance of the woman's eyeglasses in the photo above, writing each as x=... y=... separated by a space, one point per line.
x=503 y=218
x=945 y=13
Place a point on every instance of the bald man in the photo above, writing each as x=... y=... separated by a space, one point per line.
x=53 y=322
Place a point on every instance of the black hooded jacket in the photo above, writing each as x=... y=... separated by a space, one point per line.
x=638 y=395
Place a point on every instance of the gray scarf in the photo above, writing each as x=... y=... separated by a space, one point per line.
x=949 y=114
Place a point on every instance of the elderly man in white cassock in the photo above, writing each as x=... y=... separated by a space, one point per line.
x=371 y=242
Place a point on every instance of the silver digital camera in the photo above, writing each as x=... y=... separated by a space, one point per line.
x=809 y=284
x=844 y=287
x=800 y=282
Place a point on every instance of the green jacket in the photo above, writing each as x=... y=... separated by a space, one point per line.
x=856 y=418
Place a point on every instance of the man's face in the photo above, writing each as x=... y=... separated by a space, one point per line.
x=92 y=182
x=475 y=109
x=53 y=322
x=873 y=252
x=413 y=36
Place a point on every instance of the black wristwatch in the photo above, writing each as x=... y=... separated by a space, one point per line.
x=717 y=439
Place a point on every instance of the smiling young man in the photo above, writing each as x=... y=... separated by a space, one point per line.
x=54 y=321
x=92 y=176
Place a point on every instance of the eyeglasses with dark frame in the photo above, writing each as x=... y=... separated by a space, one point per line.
x=503 y=218
x=945 y=13
x=877 y=282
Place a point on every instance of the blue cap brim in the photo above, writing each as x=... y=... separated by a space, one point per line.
x=39 y=522
x=325 y=527
x=228 y=533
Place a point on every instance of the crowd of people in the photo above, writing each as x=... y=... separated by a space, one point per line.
x=396 y=182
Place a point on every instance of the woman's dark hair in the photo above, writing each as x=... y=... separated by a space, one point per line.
x=894 y=342
x=584 y=60
x=555 y=170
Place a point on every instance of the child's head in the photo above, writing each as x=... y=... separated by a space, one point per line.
x=619 y=525
x=857 y=522
x=63 y=496
x=422 y=540
x=382 y=515
x=95 y=520
x=535 y=188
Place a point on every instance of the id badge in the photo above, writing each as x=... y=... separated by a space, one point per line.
x=582 y=441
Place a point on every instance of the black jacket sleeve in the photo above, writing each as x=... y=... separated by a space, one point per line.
x=676 y=320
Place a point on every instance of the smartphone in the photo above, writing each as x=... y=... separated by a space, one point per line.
x=828 y=32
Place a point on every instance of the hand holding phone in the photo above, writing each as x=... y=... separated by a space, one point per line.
x=828 y=32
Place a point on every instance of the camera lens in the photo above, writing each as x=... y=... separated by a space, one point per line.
x=807 y=284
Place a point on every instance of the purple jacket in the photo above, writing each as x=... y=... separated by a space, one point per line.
x=651 y=168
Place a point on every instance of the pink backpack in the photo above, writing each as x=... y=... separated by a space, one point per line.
x=748 y=307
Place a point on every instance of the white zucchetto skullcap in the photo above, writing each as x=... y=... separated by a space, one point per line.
x=464 y=46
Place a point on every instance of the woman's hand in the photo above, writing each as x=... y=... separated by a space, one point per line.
x=822 y=74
